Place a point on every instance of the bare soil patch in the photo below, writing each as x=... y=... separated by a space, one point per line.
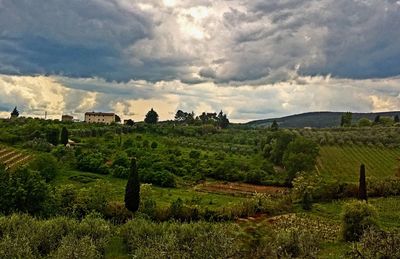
x=239 y=188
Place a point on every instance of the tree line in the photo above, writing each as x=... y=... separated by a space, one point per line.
x=189 y=118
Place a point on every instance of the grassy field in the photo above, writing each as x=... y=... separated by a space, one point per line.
x=388 y=218
x=342 y=163
x=388 y=211
x=163 y=196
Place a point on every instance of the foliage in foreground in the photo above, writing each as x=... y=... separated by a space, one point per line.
x=22 y=236
x=358 y=217
x=378 y=244
x=216 y=240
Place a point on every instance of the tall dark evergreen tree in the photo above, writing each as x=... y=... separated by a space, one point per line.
x=117 y=118
x=362 y=188
x=377 y=119
x=346 y=119
x=223 y=121
x=396 y=118
x=53 y=136
x=64 y=136
x=15 y=113
x=151 y=117
x=274 y=126
x=130 y=122
x=132 y=190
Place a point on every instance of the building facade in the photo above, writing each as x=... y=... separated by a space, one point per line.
x=67 y=118
x=99 y=117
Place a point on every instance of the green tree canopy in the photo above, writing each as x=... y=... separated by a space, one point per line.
x=46 y=165
x=22 y=191
x=300 y=156
x=364 y=122
x=346 y=119
x=274 y=126
x=223 y=121
x=184 y=117
x=151 y=117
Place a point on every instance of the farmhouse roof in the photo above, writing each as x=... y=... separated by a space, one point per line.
x=100 y=113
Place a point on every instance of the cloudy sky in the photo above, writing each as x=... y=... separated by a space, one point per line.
x=251 y=58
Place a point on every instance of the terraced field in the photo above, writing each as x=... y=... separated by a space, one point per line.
x=12 y=158
x=343 y=163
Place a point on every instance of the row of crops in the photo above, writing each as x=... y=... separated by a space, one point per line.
x=12 y=158
x=342 y=163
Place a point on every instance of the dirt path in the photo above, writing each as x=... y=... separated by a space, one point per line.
x=239 y=188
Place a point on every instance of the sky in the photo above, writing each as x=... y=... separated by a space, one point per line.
x=253 y=59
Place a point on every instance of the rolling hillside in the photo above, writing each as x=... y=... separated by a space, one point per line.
x=317 y=119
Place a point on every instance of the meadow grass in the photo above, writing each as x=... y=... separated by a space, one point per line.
x=162 y=196
x=388 y=211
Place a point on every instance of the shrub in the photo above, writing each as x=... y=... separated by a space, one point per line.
x=92 y=162
x=73 y=247
x=378 y=244
x=22 y=236
x=154 y=145
x=117 y=213
x=173 y=240
x=194 y=154
x=120 y=172
x=23 y=191
x=161 y=178
x=296 y=243
x=46 y=165
x=358 y=216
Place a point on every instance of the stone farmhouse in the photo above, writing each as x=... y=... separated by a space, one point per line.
x=100 y=117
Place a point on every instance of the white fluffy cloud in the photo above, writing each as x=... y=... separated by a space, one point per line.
x=59 y=95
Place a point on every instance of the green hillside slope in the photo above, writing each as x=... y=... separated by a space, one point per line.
x=342 y=163
x=317 y=119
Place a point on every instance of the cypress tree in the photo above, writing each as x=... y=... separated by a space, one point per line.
x=15 y=113
x=132 y=190
x=362 y=189
x=274 y=126
x=64 y=136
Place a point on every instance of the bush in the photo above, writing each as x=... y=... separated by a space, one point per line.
x=296 y=243
x=46 y=165
x=73 y=247
x=22 y=191
x=161 y=178
x=194 y=154
x=22 y=236
x=358 y=217
x=146 y=239
x=120 y=172
x=378 y=244
x=154 y=145
x=81 y=202
x=117 y=213
x=92 y=162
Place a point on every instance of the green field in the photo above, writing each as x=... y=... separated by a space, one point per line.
x=342 y=163
x=163 y=196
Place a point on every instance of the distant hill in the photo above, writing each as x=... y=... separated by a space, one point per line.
x=317 y=119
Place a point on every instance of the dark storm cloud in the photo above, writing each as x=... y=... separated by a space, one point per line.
x=254 y=41
x=73 y=38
